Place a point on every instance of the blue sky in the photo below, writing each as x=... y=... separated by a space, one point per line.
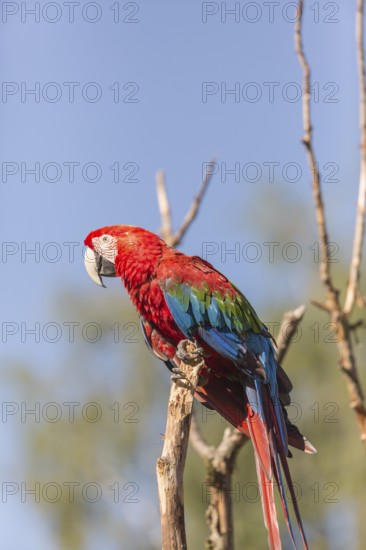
x=161 y=62
x=168 y=54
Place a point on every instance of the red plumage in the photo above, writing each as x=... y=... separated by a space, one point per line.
x=145 y=264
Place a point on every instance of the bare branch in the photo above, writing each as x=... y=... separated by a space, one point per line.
x=289 y=324
x=321 y=305
x=199 y=443
x=219 y=514
x=355 y=268
x=165 y=211
x=332 y=305
x=170 y=466
x=193 y=211
x=357 y=324
x=220 y=466
x=307 y=141
x=164 y=206
x=232 y=441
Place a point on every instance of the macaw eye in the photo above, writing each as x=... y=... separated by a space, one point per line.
x=105 y=238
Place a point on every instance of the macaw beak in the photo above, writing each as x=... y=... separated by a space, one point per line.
x=96 y=266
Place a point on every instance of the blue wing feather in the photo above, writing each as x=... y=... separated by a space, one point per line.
x=226 y=343
x=217 y=329
x=214 y=313
x=230 y=326
x=183 y=318
x=198 y=309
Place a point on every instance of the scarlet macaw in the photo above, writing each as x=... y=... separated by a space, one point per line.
x=179 y=297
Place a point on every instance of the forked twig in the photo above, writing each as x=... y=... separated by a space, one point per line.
x=174 y=239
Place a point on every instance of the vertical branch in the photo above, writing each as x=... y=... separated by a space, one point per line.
x=170 y=466
x=220 y=466
x=338 y=316
x=164 y=206
x=308 y=143
x=353 y=291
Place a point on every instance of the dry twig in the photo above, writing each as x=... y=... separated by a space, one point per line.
x=174 y=239
x=338 y=315
x=289 y=324
x=219 y=469
x=307 y=141
x=164 y=207
x=353 y=291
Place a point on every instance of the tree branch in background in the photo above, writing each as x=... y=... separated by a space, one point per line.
x=164 y=207
x=163 y=202
x=338 y=315
x=307 y=141
x=353 y=290
x=289 y=324
x=170 y=466
x=220 y=463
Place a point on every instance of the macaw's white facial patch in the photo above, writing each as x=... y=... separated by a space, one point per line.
x=106 y=246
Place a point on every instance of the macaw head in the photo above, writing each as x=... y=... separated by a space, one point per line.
x=107 y=247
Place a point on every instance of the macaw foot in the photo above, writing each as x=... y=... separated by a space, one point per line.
x=188 y=352
x=178 y=376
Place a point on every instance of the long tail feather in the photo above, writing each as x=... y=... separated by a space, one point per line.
x=257 y=417
x=281 y=487
x=269 y=508
x=268 y=433
x=289 y=483
x=279 y=452
x=258 y=431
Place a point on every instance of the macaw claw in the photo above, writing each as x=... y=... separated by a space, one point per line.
x=178 y=374
x=179 y=377
x=188 y=351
